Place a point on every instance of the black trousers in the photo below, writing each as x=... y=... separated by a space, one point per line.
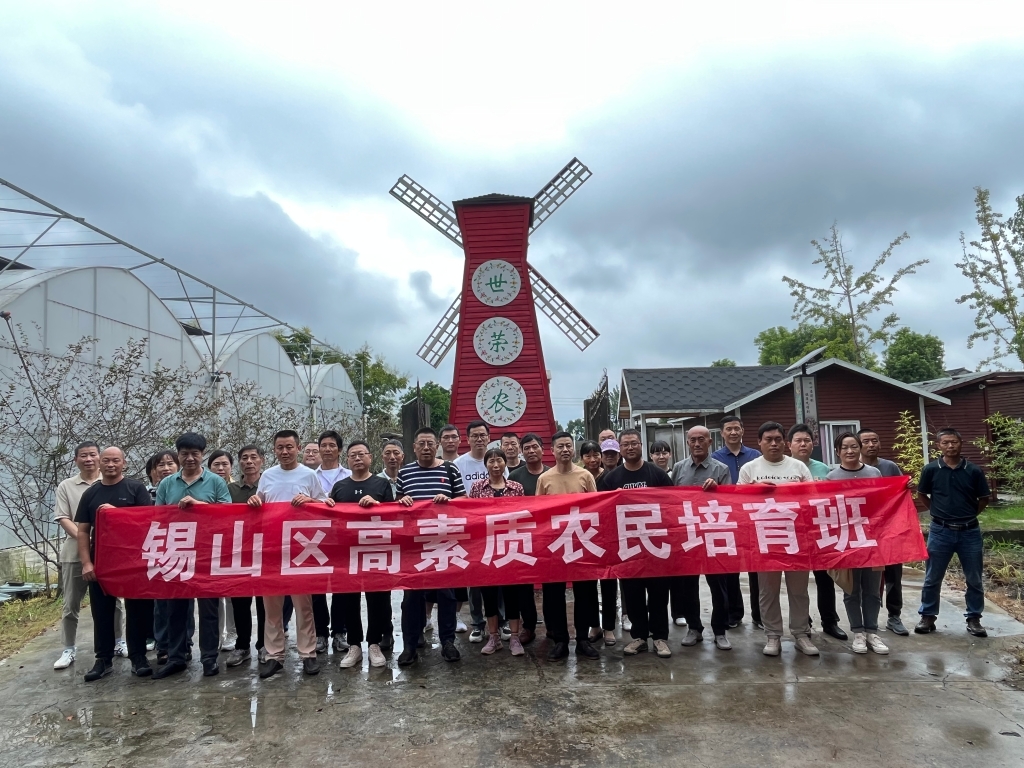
x=494 y=597
x=689 y=589
x=177 y=629
x=826 y=589
x=414 y=614
x=736 y=598
x=677 y=597
x=609 y=598
x=138 y=624
x=584 y=613
x=648 y=607
x=242 y=608
x=378 y=615
x=527 y=606
x=321 y=615
x=894 y=590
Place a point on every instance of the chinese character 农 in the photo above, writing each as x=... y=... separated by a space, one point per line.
x=499 y=403
x=440 y=538
x=842 y=515
x=634 y=525
x=718 y=533
x=236 y=568
x=774 y=523
x=291 y=531
x=171 y=551
x=508 y=537
x=375 y=552
x=498 y=342
x=573 y=523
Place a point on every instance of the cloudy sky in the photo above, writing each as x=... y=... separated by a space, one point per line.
x=255 y=145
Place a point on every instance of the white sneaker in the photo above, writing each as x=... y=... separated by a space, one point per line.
x=875 y=643
x=66 y=659
x=340 y=644
x=505 y=631
x=680 y=622
x=661 y=648
x=229 y=642
x=150 y=645
x=773 y=647
x=429 y=627
x=262 y=656
x=353 y=657
x=121 y=649
x=634 y=647
x=476 y=636
x=377 y=658
x=805 y=646
x=626 y=623
x=460 y=626
x=860 y=642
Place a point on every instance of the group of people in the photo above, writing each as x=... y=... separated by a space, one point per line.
x=954 y=490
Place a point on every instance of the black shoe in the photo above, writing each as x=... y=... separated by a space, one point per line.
x=407 y=656
x=169 y=669
x=387 y=642
x=210 y=669
x=271 y=668
x=142 y=668
x=161 y=657
x=558 y=651
x=925 y=625
x=975 y=628
x=100 y=669
x=585 y=648
x=834 y=630
x=311 y=666
x=321 y=645
x=733 y=623
x=449 y=652
x=422 y=642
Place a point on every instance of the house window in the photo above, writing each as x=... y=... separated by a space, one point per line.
x=716 y=439
x=829 y=431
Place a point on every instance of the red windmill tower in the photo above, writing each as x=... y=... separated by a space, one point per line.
x=499 y=366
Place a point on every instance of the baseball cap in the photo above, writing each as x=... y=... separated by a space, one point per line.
x=610 y=445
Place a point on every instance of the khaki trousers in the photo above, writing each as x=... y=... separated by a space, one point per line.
x=75 y=589
x=273 y=626
x=770 y=586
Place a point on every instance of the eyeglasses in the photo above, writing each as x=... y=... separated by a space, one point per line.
x=360 y=455
x=425 y=444
x=629 y=445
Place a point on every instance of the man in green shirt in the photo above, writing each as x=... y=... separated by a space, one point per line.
x=801 y=444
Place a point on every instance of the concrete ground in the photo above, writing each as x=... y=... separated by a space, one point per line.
x=937 y=700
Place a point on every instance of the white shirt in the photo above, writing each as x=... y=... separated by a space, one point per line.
x=789 y=470
x=328 y=477
x=472 y=469
x=277 y=484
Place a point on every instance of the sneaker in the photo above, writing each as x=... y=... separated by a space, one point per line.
x=353 y=657
x=975 y=628
x=804 y=645
x=876 y=645
x=759 y=624
x=66 y=659
x=377 y=657
x=773 y=647
x=609 y=638
x=429 y=626
x=722 y=643
x=271 y=668
x=169 y=669
x=693 y=637
x=515 y=646
x=895 y=625
x=449 y=652
x=340 y=646
x=626 y=623
x=100 y=669
x=460 y=626
x=635 y=646
x=150 y=645
x=661 y=648
x=680 y=622
x=733 y=623
x=238 y=657
x=407 y=656
x=229 y=643
x=860 y=642
x=506 y=632
x=321 y=645
x=121 y=649
x=925 y=625
x=493 y=644
x=311 y=666
x=476 y=636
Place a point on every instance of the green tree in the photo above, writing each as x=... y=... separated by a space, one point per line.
x=996 y=270
x=851 y=299
x=577 y=429
x=784 y=346
x=303 y=350
x=914 y=356
x=381 y=383
x=725 y=362
x=437 y=397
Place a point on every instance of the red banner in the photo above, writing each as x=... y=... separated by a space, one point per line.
x=231 y=550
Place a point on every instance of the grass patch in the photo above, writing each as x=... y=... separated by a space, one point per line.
x=1002 y=517
x=22 y=620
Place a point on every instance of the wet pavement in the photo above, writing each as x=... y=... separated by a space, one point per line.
x=936 y=700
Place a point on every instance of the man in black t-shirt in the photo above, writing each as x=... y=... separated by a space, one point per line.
x=366 y=490
x=112 y=490
x=527 y=474
x=647 y=598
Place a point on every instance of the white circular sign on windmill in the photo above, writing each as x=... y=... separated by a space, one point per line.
x=496 y=283
x=501 y=401
x=498 y=341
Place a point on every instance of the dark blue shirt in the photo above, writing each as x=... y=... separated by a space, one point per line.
x=954 y=492
x=734 y=462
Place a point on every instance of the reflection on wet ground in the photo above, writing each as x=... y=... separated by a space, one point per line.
x=936 y=700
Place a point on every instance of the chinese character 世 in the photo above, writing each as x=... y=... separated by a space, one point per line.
x=496 y=283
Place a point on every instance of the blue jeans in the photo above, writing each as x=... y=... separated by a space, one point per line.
x=943 y=543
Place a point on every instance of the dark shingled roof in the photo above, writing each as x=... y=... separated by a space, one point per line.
x=492 y=198
x=696 y=389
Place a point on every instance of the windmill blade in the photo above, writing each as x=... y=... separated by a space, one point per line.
x=558 y=190
x=562 y=313
x=442 y=338
x=428 y=207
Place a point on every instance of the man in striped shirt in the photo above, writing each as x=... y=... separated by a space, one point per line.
x=428 y=478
